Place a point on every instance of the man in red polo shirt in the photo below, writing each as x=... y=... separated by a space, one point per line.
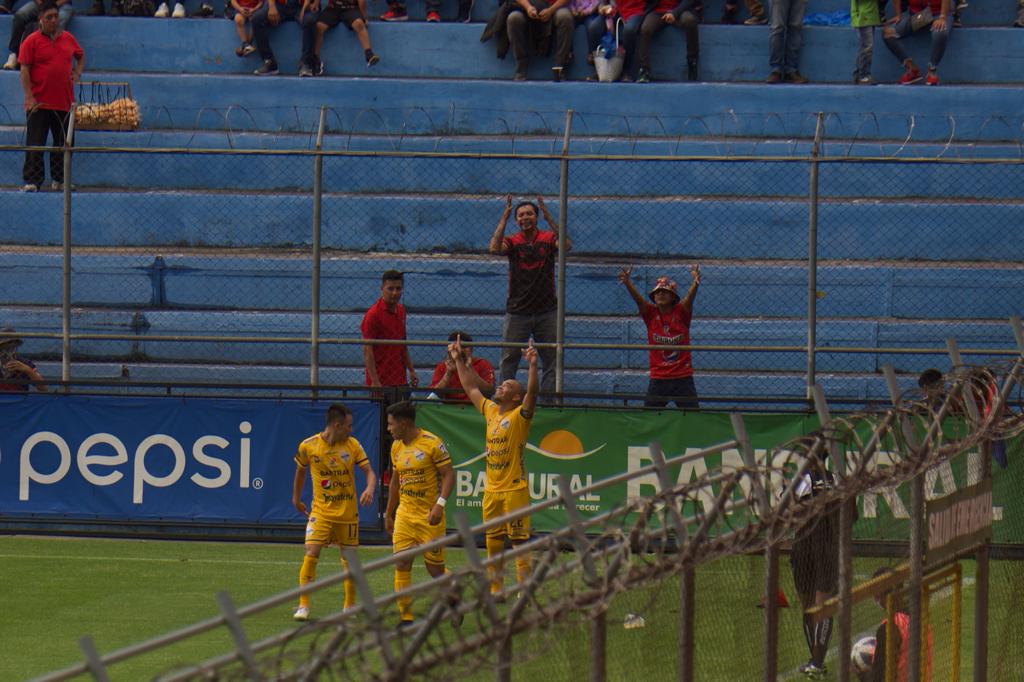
x=386 y=365
x=446 y=376
x=668 y=324
x=51 y=62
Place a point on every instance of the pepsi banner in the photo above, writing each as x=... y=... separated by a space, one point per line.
x=179 y=459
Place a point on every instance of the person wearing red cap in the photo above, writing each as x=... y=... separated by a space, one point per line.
x=668 y=324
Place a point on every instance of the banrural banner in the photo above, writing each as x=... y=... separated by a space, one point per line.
x=590 y=445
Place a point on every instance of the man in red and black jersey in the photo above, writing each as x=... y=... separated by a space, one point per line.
x=668 y=324
x=531 y=308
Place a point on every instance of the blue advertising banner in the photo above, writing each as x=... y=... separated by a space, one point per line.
x=144 y=459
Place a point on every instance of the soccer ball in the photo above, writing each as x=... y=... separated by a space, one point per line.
x=863 y=654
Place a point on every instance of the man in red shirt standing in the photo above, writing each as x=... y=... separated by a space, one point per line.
x=446 y=375
x=386 y=365
x=51 y=62
x=668 y=324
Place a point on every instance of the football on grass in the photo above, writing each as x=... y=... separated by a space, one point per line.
x=863 y=654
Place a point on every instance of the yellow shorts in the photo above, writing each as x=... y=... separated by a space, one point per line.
x=327 y=531
x=499 y=504
x=413 y=532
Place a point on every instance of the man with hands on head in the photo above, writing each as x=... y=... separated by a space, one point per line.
x=532 y=304
x=668 y=324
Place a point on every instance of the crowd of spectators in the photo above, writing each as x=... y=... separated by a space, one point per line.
x=532 y=28
x=530 y=318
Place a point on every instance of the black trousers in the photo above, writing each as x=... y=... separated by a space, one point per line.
x=43 y=122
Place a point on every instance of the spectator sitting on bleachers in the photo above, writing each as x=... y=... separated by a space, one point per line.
x=243 y=11
x=272 y=14
x=352 y=13
x=532 y=25
x=593 y=16
x=396 y=11
x=642 y=24
x=919 y=14
x=784 y=41
x=864 y=16
x=754 y=8
x=5 y=6
x=164 y=11
x=446 y=376
x=1019 y=23
x=24 y=23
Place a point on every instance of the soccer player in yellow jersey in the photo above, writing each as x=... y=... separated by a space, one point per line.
x=422 y=478
x=508 y=417
x=331 y=457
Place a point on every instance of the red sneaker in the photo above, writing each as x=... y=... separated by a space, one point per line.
x=394 y=14
x=932 y=79
x=910 y=76
x=433 y=17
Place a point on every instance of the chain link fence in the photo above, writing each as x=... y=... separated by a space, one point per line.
x=225 y=255
x=666 y=585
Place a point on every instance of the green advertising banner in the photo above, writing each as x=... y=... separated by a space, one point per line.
x=590 y=445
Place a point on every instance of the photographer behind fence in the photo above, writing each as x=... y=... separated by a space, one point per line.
x=16 y=373
x=51 y=63
x=446 y=375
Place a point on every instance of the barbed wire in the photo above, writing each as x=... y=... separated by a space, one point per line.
x=846 y=135
x=724 y=512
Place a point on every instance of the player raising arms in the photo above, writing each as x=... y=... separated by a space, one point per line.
x=422 y=480
x=508 y=418
x=331 y=456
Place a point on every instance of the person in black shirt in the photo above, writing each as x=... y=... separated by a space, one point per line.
x=814 y=560
x=531 y=308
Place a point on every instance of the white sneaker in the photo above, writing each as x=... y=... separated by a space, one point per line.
x=30 y=188
x=179 y=11
x=12 y=62
x=301 y=614
x=162 y=11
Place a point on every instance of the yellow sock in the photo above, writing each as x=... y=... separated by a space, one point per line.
x=495 y=546
x=402 y=580
x=307 y=574
x=350 y=588
x=523 y=564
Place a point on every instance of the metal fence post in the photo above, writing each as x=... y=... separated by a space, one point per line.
x=65 y=351
x=771 y=613
x=314 y=311
x=812 y=256
x=563 y=215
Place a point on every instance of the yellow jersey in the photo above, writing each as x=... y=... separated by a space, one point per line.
x=332 y=470
x=506 y=442
x=415 y=464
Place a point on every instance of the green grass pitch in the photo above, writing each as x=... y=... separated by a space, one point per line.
x=124 y=591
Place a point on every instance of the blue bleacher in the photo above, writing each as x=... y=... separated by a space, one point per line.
x=218 y=244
